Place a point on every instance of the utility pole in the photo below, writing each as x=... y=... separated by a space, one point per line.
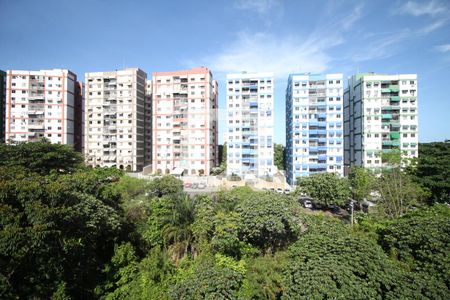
x=351 y=211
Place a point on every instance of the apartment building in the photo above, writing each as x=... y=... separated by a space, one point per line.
x=79 y=117
x=314 y=125
x=2 y=105
x=184 y=123
x=380 y=114
x=115 y=119
x=250 y=125
x=148 y=122
x=40 y=104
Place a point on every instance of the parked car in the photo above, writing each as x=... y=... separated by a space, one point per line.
x=280 y=190
x=272 y=189
x=306 y=202
x=287 y=191
x=187 y=185
x=194 y=185
x=201 y=186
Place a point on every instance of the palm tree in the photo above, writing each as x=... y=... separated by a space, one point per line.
x=177 y=227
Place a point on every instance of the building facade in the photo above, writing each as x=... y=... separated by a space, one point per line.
x=40 y=104
x=148 y=123
x=250 y=125
x=314 y=125
x=79 y=117
x=114 y=132
x=184 y=122
x=380 y=114
x=2 y=105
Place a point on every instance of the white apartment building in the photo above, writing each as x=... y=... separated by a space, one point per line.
x=380 y=114
x=314 y=125
x=40 y=104
x=184 y=138
x=115 y=119
x=250 y=125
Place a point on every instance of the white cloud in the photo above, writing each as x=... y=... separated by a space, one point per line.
x=260 y=6
x=282 y=55
x=432 y=26
x=431 y=8
x=351 y=19
x=443 y=48
x=379 y=48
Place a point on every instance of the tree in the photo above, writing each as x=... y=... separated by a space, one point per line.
x=177 y=225
x=331 y=263
x=165 y=185
x=398 y=193
x=129 y=278
x=431 y=170
x=361 y=182
x=268 y=221
x=421 y=239
x=218 y=277
x=54 y=239
x=278 y=156
x=41 y=157
x=326 y=189
x=265 y=276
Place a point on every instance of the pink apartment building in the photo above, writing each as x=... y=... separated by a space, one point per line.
x=184 y=122
x=41 y=104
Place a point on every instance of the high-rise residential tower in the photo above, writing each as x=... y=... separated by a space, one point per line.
x=380 y=114
x=115 y=119
x=250 y=125
x=79 y=117
x=314 y=125
x=40 y=104
x=184 y=122
x=148 y=122
x=2 y=105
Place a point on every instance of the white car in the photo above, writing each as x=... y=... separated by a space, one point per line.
x=307 y=204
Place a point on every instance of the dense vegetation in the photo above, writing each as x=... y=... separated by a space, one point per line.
x=71 y=232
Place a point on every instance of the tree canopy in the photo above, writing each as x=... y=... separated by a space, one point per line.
x=72 y=232
x=326 y=189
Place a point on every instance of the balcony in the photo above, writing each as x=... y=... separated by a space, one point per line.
x=395 y=98
x=36 y=126
x=395 y=135
x=394 y=88
x=386 y=116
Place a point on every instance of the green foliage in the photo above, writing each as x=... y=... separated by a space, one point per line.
x=268 y=221
x=361 y=182
x=209 y=278
x=421 y=239
x=392 y=158
x=40 y=157
x=338 y=264
x=165 y=185
x=129 y=188
x=265 y=276
x=130 y=279
x=225 y=237
x=326 y=188
x=81 y=233
x=398 y=193
x=222 y=160
x=54 y=238
x=431 y=170
x=278 y=156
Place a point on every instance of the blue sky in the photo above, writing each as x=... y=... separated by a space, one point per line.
x=232 y=36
